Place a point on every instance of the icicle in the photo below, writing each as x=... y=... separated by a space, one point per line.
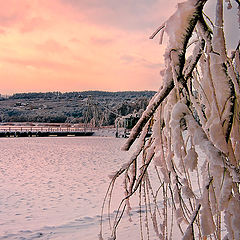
x=188 y=235
x=234 y=209
x=176 y=195
x=204 y=171
x=217 y=136
x=213 y=200
x=225 y=191
x=160 y=162
x=186 y=190
x=179 y=215
x=207 y=223
x=228 y=225
x=191 y=159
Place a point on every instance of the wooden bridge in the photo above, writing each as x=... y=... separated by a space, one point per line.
x=45 y=131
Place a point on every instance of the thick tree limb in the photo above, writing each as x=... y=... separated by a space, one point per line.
x=148 y=114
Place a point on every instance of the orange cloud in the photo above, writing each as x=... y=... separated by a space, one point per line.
x=51 y=46
x=71 y=45
x=77 y=45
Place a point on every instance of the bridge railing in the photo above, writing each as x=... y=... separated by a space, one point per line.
x=43 y=129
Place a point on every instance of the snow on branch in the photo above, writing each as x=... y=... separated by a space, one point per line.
x=194 y=150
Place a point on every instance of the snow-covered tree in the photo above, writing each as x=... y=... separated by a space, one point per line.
x=196 y=133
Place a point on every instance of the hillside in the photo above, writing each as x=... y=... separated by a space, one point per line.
x=100 y=107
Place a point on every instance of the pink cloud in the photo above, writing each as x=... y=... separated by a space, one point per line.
x=40 y=64
x=2 y=31
x=13 y=11
x=101 y=40
x=125 y=14
x=52 y=46
x=75 y=40
x=31 y=15
x=36 y=23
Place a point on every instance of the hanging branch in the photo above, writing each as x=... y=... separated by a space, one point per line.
x=195 y=111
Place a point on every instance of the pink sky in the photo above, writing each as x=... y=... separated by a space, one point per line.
x=75 y=45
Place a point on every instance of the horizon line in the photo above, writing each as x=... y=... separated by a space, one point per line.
x=78 y=92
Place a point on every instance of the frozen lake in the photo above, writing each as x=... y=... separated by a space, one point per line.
x=52 y=188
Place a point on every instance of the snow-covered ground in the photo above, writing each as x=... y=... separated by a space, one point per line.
x=53 y=188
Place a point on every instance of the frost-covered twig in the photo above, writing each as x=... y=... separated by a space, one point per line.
x=189 y=233
x=157 y=31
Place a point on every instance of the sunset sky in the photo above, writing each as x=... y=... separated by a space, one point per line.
x=75 y=45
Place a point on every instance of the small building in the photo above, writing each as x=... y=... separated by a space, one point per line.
x=130 y=120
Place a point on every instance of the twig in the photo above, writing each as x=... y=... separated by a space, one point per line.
x=157 y=31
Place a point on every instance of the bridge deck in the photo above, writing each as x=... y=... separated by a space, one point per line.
x=23 y=131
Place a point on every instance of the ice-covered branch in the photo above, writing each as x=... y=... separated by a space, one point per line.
x=192 y=62
x=179 y=27
x=160 y=96
x=196 y=132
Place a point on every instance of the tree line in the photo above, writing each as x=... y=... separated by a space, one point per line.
x=98 y=107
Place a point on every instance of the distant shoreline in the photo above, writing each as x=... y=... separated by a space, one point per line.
x=100 y=108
